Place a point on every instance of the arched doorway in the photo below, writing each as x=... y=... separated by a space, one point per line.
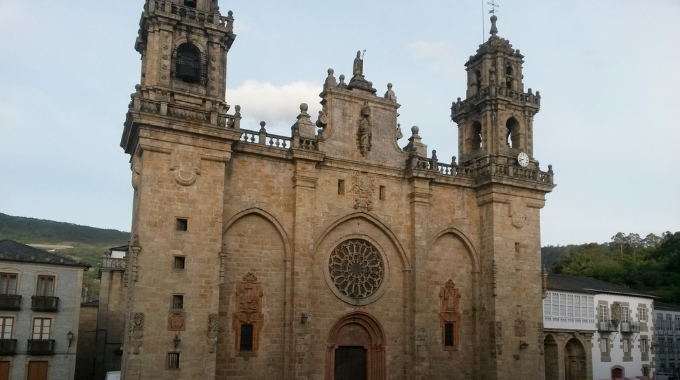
x=617 y=372
x=356 y=349
x=551 y=358
x=574 y=360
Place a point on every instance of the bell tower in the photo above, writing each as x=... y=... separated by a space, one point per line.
x=495 y=142
x=496 y=117
x=179 y=138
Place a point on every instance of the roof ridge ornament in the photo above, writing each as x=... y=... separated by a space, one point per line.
x=494 y=30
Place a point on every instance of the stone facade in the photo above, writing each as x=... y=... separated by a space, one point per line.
x=307 y=257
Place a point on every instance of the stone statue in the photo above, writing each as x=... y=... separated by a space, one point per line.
x=364 y=132
x=358 y=68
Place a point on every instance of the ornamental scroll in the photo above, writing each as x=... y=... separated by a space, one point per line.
x=449 y=313
x=248 y=311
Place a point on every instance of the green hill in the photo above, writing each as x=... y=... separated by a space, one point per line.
x=82 y=243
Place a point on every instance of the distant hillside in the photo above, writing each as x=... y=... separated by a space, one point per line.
x=39 y=231
x=81 y=243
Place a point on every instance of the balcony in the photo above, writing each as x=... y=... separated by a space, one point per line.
x=40 y=347
x=10 y=302
x=630 y=327
x=606 y=327
x=44 y=303
x=8 y=347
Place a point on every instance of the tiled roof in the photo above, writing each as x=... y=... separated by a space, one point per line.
x=665 y=306
x=13 y=251
x=590 y=285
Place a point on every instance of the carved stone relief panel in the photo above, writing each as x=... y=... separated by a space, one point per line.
x=248 y=312
x=186 y=166
x=364 y=131
x=449 y=314
x=176 y=320
x=363 y=190
x=517 y=213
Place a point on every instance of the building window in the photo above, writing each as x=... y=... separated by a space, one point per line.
x=448 y=335
x=188 y=63
x=662 y=346
x=246 y=343
x=604 y=345
x=182 y=224
x=669 y=322
x=642 y=314
x=179 y=262
x=643 y=345
x=45 y=286
x=177 y=301
x=8 y=283
x=626 y=346
x=341 y=186
x=659 y=322
x=382 y=193
x=42 y=328
x=6 y=324
x=677 y=322
x=604 y=313
x=173 y=360
x=625 y=314
x=190 y=3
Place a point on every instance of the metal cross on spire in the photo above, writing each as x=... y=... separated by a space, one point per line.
x=493 y=5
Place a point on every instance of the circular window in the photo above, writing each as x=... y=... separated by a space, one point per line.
x=356 y=271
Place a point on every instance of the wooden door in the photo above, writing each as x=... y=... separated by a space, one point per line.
x=350 y=363
x=37 y=370
x=617 y=373
x=4 y=370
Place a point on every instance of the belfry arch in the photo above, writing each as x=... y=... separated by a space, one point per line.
x=356 y=342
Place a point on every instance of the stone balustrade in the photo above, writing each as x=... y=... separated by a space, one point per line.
x=192 y=14
x=487 y=168
x=112 y=264
x=267 y=139
x=164 y=108
x=490 y=92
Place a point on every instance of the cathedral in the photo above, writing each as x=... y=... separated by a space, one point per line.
x=332 y=253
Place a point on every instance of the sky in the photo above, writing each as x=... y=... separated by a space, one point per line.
x=607 y=72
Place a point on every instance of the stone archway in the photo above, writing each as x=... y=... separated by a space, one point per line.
x=551 y=358
x=356 y=343
x=574 y=360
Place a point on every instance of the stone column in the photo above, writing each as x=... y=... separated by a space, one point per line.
x=420 y=214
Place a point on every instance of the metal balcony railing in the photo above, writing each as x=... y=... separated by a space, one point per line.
x=8 y=347
x=40 y=347
x=10 y=302
x=606 y=326
x=630 y=327
x=44 y=303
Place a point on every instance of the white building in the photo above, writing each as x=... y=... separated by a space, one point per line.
x=667 y=339
x=39 y=312
x=596 y=330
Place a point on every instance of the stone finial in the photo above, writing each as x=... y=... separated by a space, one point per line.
x=494 y=29
x=238 y=111
x=550 y=171
x=538 y=166
x=415 y=146
x=304 y=127
x=138 y=91
x=453 y=162
x=330 y=80
x=390 y=95
x=342 y=83
x=399 y=134
x=262 y=129
x=434 y=155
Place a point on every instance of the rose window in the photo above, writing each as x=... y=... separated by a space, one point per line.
x=356 y=268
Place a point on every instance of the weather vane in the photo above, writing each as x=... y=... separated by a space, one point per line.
x=493 y=5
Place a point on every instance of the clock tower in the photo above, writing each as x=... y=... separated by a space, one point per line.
x=495 y=142
x=496 y=118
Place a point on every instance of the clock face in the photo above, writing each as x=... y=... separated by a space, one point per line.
x=523 y=159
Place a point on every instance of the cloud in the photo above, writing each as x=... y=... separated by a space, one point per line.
x=439 y=55
x=278 y=106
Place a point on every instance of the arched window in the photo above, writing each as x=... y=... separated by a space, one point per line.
x=478 y=76
x=509 y=76
x=188 y=63
x=190 y=3
x=513 y=136
x=475 y=140
x=508 y=70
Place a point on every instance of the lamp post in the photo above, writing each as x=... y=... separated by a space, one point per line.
x=70 y=338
